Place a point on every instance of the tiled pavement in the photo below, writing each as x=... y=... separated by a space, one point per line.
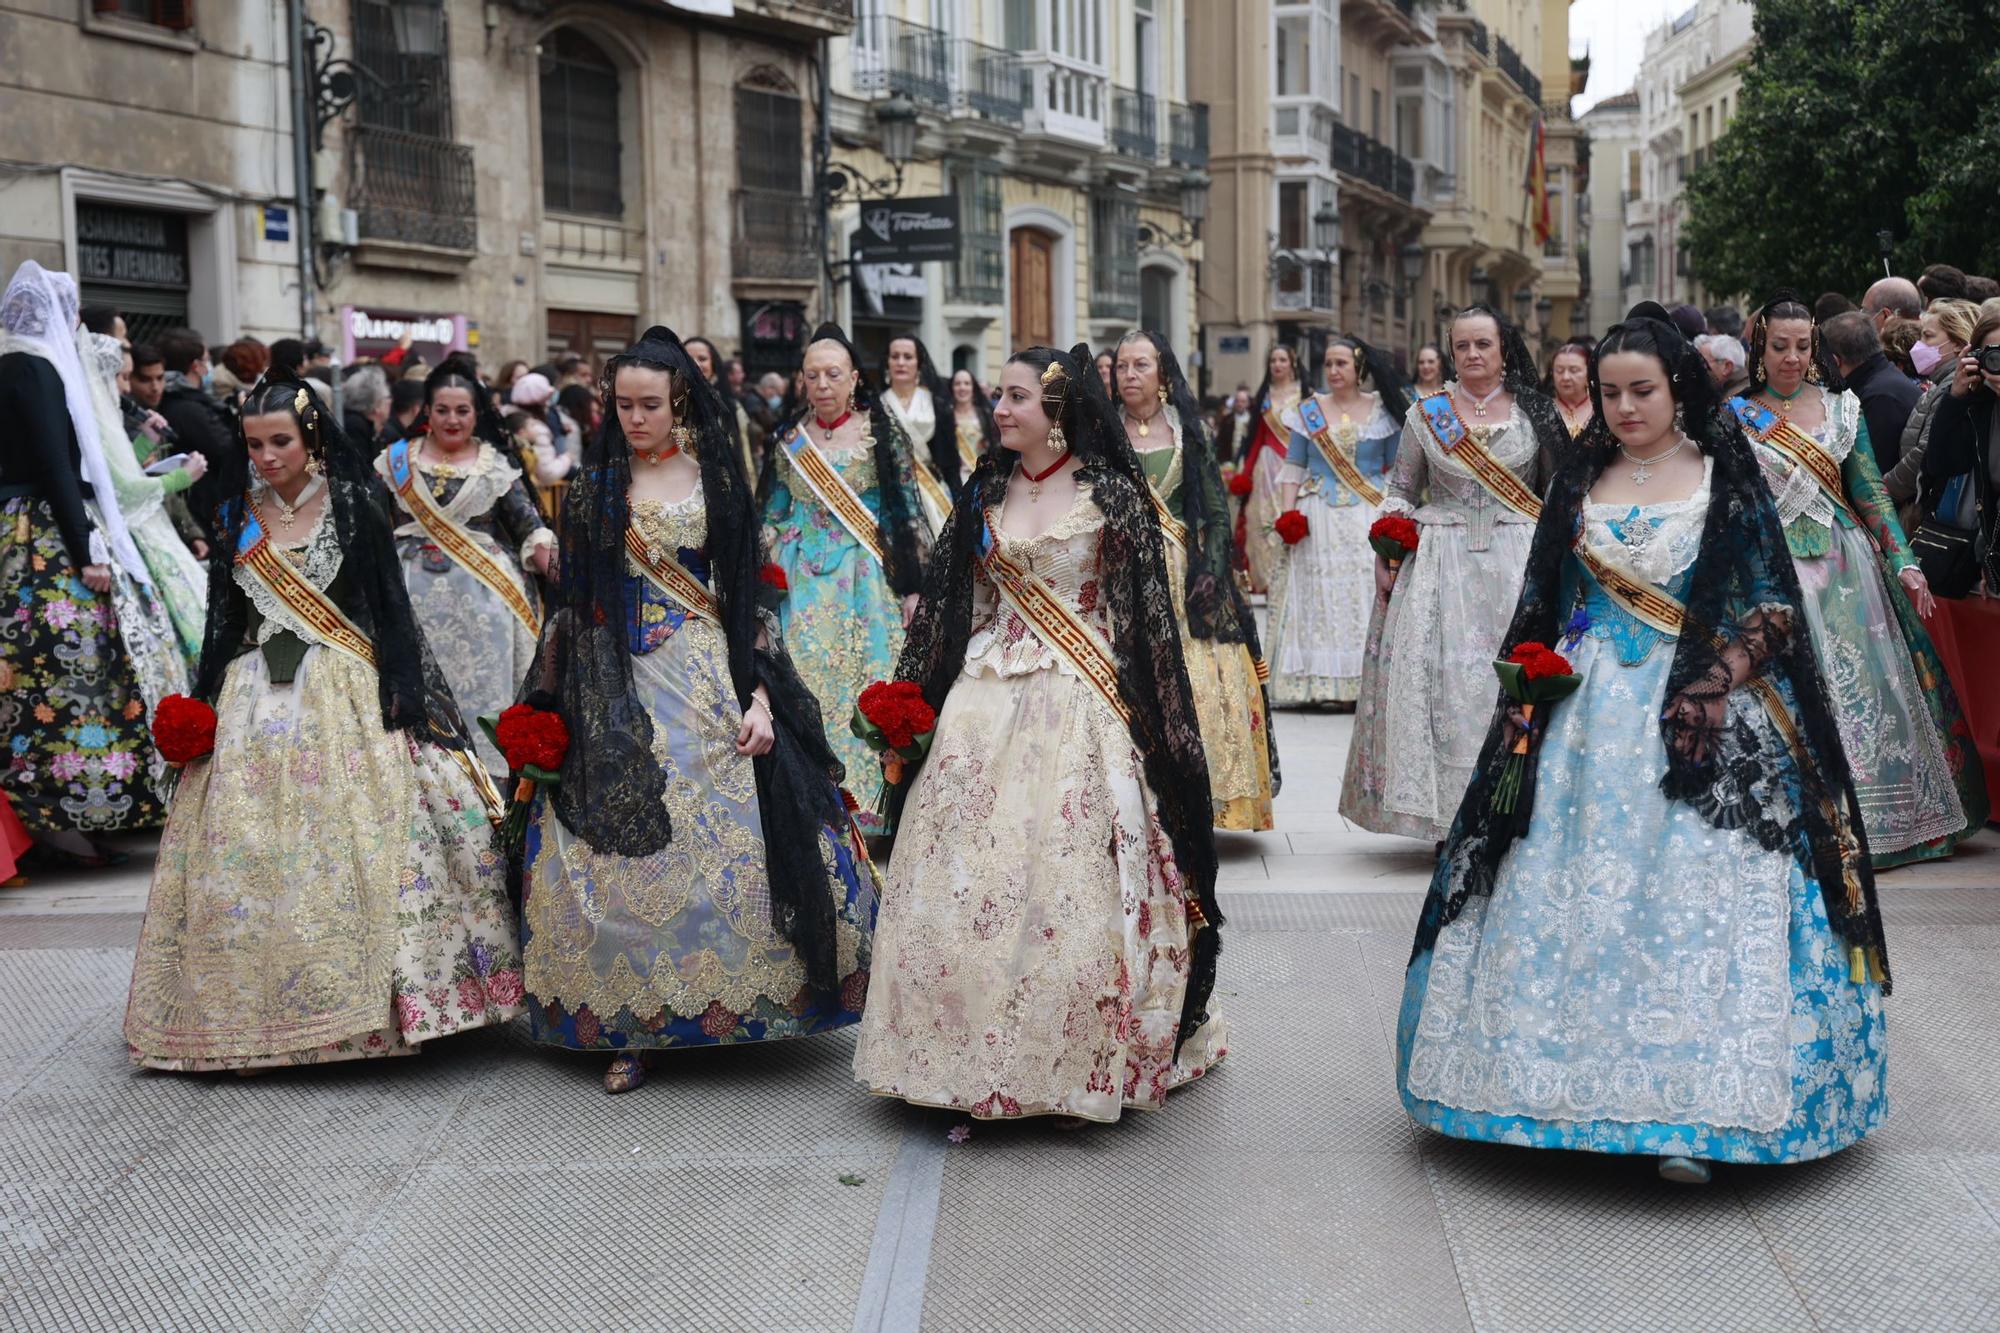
x=488 y=1185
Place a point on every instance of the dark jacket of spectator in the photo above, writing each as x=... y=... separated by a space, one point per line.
x=204 y=427
x=1887 y=398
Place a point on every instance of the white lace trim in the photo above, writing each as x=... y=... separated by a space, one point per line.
x=1797 y=490
x=1655 y=551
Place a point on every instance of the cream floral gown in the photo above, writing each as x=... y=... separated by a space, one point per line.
x=1031 y=957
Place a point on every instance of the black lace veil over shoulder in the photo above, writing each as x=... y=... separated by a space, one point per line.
x=1518 y=374
x=460 y=371
x=414 y=695
x=1744 y=600
x=613 y=791
x=1217 y=610
x=944 y=438
x=1152 y=676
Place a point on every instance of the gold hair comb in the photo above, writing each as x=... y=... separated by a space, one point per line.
x=301 y=401
x=1055 y=371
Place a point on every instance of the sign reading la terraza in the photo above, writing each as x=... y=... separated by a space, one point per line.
x=903 y=231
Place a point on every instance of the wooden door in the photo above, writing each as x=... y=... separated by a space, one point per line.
x=595 y=336
x=1034 y=275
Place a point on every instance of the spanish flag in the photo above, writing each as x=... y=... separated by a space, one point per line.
x=1537 y=183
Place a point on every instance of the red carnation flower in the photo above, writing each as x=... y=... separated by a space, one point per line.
x=774 y=577
x=532 y=737
x=183 y=729
x=1239 y=482
x=1527 y=652
x=899 y=709
x=1544 y=664
x=1291 y=525
x=1395 y=528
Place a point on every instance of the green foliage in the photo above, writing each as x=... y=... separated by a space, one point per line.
x=1856 y=116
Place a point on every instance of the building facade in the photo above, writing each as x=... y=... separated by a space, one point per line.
x=1380 y=192
x=154 y=159
x=1063 y=130
x=1704 y=47
x=520 y=178
x=1612 y=127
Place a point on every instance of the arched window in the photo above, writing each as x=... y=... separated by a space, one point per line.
x=580 y=148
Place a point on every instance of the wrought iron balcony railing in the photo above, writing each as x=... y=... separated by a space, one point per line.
x=1515 y=68
x=1355 y=154
x=891 y=56
x=992 y=83
x=1187 y=135
x=1135 y=123
x=414 y=188
x=773 y=237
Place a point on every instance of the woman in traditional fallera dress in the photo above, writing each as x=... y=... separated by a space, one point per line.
x=1427 y=674
x=470 y=535
x=1218 y=635
x=1921 y=783
x=972 y=416
x=80 y=763
x=842 y=521
x=921 y=404
x=1049 y=930
x=1670 y=946
x=694 y=877
x=326 y=888
x=179 y=583
x=1432 y=372
x=1263 y=457
x=709 y=361
x=1326 y=594
x=1568 y=383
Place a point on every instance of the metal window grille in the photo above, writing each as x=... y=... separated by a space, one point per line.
x=380 y=102
x=980 y=276
x=580 y=148
x=770 y=153
x=1114 y=257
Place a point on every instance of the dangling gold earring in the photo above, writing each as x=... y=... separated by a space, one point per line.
x=683 y=438
x=1163 y=395
x=1058 y=442
x=312 y=466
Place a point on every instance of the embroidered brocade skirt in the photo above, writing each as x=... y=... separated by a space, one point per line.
x=1229 y=706
x=1427 y=686
x=481 y=646
x=1321 y=607
x=1032 y=953
x=677 y=948
x=325 y=889
x=1887 y=695
x=79 y=755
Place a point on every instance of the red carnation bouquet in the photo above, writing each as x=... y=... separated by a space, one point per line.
x=534 y=741
x=1394 y=537
x=1532 y=674
x=183 y=729
x=773 y=577
x=1291 y=525
x=1239 y=482
x=896 y=722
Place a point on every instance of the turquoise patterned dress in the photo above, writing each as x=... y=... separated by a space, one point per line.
x=842 y=622
x=1641 y=981
x=677 y=948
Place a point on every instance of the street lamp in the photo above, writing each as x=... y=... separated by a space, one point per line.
x=897 y=119
x=1194 y=199
x=418 y=26
x=841 y=183
x=1413 y=262
x=1326 y=229
x=1523 y=300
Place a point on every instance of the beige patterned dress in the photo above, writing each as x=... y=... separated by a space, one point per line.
x=1032 y=952
x=325 y=889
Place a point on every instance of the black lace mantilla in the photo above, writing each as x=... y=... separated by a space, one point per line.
x=613 y=790
x=1152 y=675
x=1745 y=619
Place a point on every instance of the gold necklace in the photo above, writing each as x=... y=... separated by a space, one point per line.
x=1145 y=426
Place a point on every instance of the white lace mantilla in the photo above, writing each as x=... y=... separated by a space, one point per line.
x=919 y=419
x=1796 y=489
x=317 y=558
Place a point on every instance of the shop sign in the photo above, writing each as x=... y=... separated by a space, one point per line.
x=908 y=230
x=370 y=333
x=131 y=246
x=890 y=291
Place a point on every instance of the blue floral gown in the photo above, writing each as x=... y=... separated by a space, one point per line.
x=1641 y=981
x=677 y=948
x=1322 y=600
x=842 y=622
